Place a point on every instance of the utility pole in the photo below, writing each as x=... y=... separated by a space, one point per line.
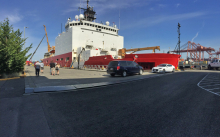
x=24 y=74
x=178 y=38
x=24 y=36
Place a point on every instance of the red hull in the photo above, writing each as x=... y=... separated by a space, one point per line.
x=147 y=61
x=61 y=59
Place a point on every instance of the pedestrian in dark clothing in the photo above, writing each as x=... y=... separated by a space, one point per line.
x=52 y=66
x=37 y=68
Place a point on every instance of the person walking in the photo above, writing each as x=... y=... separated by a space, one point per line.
x=37 y=68
x=52 y=66
x=57 y=68
x=42 y=67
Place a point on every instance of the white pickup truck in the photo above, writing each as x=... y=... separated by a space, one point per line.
x=214 y=64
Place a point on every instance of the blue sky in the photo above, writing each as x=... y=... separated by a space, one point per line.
x=143 y=23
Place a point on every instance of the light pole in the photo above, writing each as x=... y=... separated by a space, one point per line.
x=178 y=38
x=24 y=36
x=24 y=74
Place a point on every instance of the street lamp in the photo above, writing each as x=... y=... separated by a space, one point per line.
x=24 y=74
x=24 y=36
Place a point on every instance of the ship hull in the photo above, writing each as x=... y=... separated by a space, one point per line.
x=147 y=61
x=64 y=60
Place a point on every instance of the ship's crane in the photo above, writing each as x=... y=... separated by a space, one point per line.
x=122 y=52
x=50 y=49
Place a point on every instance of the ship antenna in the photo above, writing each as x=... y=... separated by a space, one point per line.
x=87 y=4
x=80 y=7
x=119 y=18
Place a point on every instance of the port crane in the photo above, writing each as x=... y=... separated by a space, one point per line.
x=122 y=52
x=51 y=50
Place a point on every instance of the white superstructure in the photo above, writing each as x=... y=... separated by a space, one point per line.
x=86 y=38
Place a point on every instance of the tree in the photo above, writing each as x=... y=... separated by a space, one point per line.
x=12 y=56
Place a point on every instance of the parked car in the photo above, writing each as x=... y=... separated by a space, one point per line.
x=163 y=68
x=123 y=68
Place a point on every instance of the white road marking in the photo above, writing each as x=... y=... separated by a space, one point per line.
x=210 y=85
x=213 y=89
x=211 y=81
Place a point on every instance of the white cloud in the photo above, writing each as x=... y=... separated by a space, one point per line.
x=161 y=5
x=177 y=5
x=195 y=36
x=151 y=9
x=150 y=21
x=104 y=5
x=13 y=16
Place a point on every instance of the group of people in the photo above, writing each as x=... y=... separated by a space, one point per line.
x=53 y=66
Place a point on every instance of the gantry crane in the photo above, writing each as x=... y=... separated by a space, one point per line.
x=122 y=52
x=51 y=50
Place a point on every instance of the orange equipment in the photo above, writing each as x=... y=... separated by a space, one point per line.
x=122 y=52
x=50 y=50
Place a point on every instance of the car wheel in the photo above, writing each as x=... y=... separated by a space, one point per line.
x=124 y=74
x=164 y=71
x=112 y=75
x=209 y=67
x=173 y=70
x=140 y=72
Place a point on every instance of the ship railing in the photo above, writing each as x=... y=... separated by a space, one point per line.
x=96 y=67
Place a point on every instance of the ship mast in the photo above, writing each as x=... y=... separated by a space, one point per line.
x=89 y=13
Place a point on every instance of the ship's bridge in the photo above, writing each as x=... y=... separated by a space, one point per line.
x=93 y=26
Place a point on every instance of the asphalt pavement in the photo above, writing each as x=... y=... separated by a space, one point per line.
x=21 y=115
x=72 y=79
x=168 y=105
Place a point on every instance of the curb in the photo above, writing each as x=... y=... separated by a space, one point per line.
x=9 y=78
x=30 y=90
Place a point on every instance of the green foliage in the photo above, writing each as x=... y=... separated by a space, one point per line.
x=12 y=55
